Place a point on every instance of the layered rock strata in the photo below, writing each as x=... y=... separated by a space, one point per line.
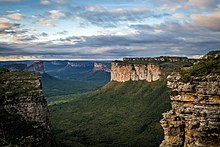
x=135 y=72
x=23 y=110
x=194 y=120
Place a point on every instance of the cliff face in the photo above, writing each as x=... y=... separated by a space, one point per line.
x=195 y=116
x=36 y=67
x=135 y=72
x=23 y=110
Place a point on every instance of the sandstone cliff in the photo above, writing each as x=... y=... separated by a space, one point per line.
x=125 y=72
x=194 y=120
x=23 y=110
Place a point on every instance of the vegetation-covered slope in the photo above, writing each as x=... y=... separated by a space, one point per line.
x=53 y=86
x=119 y=114
x=209 y=65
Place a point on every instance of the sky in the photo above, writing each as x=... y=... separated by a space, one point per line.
x=107 y=29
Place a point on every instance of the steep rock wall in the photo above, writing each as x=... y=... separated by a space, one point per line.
x=23 y=110
x=134 y=72
x=194 y=120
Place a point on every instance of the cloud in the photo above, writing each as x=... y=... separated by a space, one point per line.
x=209 y=21
x=186 y=5
x=43 y=34
x=49 y=2
x=60 y=1
x=12 y=32
x=100 y=16
x=4 y=23
x=8 y=1
x=49 y=19
x=62 y=33
x=180 y=16
x=7 y=24
x=203 y=4
x=15 y=16
x=25 y=38
x=45 y=2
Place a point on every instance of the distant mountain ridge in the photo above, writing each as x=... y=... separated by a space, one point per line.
x=36 y=67
x=65 y=77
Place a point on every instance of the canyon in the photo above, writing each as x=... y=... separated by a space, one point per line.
x=192 y=121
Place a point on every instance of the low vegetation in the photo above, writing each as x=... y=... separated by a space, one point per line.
x=210 y=65
x=119 y=114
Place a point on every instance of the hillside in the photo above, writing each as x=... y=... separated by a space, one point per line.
x=54 y=87
x=79 y=70
x=119 y=114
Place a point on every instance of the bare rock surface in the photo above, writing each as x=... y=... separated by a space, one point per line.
x=194 y=120
x=135 y=72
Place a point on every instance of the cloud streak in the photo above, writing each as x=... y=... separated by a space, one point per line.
x=209 y=21
x=50 y=18
x=103 y=29
x=15 y=16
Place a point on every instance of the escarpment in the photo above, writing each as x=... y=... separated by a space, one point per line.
x=23 y=110
x=135 y=72
x=148 y=69
x=194 y=120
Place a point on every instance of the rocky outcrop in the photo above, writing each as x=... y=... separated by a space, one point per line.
x=125 y=72
x=23 y=110
x=102 y=66
x=36 y=67
x=194 y=120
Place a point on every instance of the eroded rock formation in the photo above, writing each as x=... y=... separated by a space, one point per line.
x=194 y=120
x=23 y=110
x=125 y=72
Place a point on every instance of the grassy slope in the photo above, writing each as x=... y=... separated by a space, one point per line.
x=119 y=114
x=53 y=86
